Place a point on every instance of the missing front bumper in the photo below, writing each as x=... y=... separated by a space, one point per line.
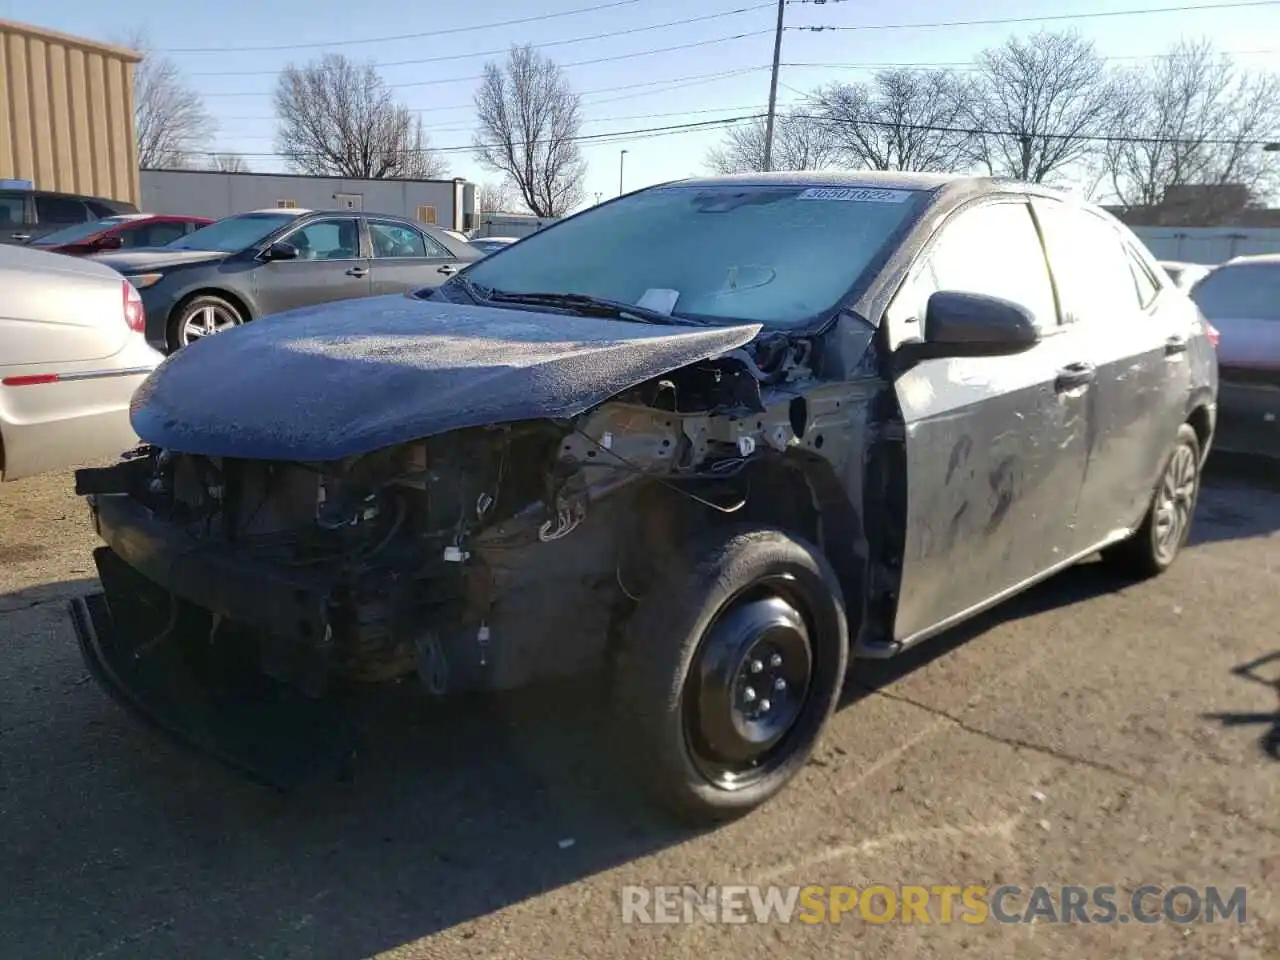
x=207 y=696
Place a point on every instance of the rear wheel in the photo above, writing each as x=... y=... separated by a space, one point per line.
x=1165 y=528
x=200 y=317
x=732 y=663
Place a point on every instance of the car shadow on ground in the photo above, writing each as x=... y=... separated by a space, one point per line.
x=1269 y=740
x=1237 y=500
x=456 y=810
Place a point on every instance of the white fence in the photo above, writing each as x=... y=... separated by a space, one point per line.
x=1208 y=245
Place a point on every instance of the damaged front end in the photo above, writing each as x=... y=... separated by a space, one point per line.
x=239 y=593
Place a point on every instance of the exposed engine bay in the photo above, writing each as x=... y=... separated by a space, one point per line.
x=481 y=558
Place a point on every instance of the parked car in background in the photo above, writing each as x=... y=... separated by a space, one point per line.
x=127 y=231
x=1185 y=275
x=488 y=245
x=254 y=264
x=711 y=439
x=1241 y=298
x=27 y=214
x=71 y=356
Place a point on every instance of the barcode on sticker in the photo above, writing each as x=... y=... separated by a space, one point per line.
x=856 y=194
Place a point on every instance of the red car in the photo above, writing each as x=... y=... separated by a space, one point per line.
x=127 y=231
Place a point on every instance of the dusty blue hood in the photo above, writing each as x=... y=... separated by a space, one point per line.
x=355 y=376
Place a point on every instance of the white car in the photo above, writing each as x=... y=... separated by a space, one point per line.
x=72 y=353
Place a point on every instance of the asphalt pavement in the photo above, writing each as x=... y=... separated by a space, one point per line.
x=1090 y=732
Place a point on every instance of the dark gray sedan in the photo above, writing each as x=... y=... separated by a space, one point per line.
x=254 y=264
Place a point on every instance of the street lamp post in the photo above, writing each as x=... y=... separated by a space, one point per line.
x=622 y=158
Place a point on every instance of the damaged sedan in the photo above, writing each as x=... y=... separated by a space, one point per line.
x=713 y=441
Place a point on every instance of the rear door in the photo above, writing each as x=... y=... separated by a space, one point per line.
x=994 y=451
x=406 y=258
x=1118 y=316
x=329 y=267
x=15 y=216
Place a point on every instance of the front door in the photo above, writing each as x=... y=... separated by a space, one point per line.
x=329 y=267
x=1115 y=315
x=405 y=258
x=995 y=453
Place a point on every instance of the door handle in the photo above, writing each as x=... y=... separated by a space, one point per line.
x=448 y=270
x=358 y=272
x=1175 y=345
x=21 y=237
x=1074 y=375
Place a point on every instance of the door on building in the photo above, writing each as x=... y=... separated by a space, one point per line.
x=329 y=266
x=348 y=201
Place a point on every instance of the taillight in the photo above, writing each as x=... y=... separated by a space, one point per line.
x=1212 y=333
x=135 y=315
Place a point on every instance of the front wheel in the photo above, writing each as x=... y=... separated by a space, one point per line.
x=200 y=317
x=1154 y=546
x=732 y=663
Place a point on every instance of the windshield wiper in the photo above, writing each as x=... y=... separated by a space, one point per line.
x=585 y=305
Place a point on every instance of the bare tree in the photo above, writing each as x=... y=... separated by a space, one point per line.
x=229 y=163
x=338 y=117
x=1042 y=103
x=528 y=118
x=799 y=143
x=495 y=197
x=1193 y=118
x=902 y=120
x=170 y=122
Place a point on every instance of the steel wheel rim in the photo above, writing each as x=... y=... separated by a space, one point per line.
x=738 y=720
x=1175 y=501
x=205 y=321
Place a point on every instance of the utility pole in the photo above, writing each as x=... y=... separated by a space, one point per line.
x=773 y=90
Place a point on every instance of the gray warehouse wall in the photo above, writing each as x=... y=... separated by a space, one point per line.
x=1208 y=245
x=212 y=194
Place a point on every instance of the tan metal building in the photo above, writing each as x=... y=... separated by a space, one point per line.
x=66 y=113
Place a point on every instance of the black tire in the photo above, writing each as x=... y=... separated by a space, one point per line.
x=695 y=622
x=1151 y=550
x=206 y=303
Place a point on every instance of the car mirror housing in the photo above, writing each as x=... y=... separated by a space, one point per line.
x=111 y=241
x=280 y=251
x=961 y=324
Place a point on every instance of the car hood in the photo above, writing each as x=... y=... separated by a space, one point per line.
x=352 y=377
x=156 y=258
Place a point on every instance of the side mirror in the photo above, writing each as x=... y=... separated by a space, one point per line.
x=280 y=251
x=111 y=241
x=974 y=325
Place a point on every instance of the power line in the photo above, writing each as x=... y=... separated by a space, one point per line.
x=575 y=63
x=448 y=31
x=491 y=53
x=1060 y=16
x=969 y=64
x=724 y=122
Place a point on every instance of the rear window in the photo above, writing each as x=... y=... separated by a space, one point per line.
x=1242 y=290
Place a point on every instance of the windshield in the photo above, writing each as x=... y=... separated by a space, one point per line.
x=79 y=231
x=1240 y=291
x=777 y=255
x=236 y=233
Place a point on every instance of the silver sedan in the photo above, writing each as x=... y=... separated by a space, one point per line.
x=72 y=353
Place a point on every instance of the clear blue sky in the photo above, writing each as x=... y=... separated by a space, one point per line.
x=661 y=88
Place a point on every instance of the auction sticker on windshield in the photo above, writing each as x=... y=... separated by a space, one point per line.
x=857 y=194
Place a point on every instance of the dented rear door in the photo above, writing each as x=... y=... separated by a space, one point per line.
x=994 y=446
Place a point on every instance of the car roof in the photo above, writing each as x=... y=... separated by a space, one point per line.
x=1259 y=259
x=290 y=211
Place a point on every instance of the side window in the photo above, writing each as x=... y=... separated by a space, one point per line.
x=1148 y=287
x=396 y=240
x=12 y=210
x=1091 y=264
x=994 y=249
x=337 y=239
x=60 y=210
x=153 y=234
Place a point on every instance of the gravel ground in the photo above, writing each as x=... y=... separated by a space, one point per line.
x=1074 y=736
